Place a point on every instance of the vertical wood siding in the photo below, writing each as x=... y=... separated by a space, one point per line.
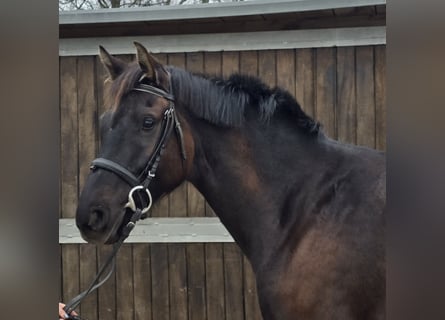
x=344 y=88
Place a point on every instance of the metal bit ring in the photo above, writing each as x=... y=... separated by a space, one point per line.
x=132 y=204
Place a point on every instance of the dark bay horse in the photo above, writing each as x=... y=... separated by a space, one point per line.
x=306 y=210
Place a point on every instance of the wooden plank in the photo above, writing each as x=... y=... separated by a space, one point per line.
x=196 y=282
x=87 y=272
x=130 y=56
x=68 y=176
x=249 y=63
x=344 y=11
x=124 y=283
x=69 y=139
x=325 y=90
x=346 y=21
x=214 y=281
x=287 y=21
x=380 y=94
x=233 y=282
x=70 y=271
x=176 y=59
x=159 y=274
x=325 y=12
x=233 y=41
x=194 y=62
x=365 y=96
x=178 y=286
x=142 y=282
x=106 y=293
x=213 y=63
x=367 y=11
x=346 y=101
x=305 y=77
x=286 y=70
x=381 y=9
x=87 y=115
x=60 y=275
x=267 y=67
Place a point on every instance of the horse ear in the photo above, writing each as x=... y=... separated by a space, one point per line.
x=152 y=68
x=113 y=65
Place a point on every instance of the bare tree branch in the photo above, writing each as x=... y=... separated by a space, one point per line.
x=79 y=6
x=103 y=4
x=94 y=4
x=135 y=3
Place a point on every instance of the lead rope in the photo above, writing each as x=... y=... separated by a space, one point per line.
x=74 y=303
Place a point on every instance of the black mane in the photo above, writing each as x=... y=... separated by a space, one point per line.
x=224 y=102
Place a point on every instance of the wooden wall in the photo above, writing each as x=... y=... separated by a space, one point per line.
x=344 y=88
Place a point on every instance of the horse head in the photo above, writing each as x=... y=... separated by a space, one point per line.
x=146 y=147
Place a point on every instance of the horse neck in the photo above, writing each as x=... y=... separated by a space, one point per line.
x=243 y=166
x=245 y=175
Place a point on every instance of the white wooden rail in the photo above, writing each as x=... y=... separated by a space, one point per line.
x=288 y=39
x=160 y=230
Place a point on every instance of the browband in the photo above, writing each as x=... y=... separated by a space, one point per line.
x=153 y=90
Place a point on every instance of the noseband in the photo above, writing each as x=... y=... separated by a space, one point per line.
x=142 y=181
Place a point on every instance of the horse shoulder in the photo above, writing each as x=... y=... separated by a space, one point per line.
x=321 y=279
x=333 y=254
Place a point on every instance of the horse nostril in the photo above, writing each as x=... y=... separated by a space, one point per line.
x=96 y=220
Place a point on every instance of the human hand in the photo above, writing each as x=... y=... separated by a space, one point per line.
x=62 y=313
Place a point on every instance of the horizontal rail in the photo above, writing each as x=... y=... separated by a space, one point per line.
x=221 y=10
x=290 y=39
x=160 y=230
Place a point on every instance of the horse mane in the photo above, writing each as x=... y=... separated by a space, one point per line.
x=224 y=102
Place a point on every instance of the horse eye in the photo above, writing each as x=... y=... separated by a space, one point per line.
x=148 y=123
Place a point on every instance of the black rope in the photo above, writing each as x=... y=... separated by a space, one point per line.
x=111 y=260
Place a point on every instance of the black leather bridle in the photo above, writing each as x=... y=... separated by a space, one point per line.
x=170 y=121
x=138 y=184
